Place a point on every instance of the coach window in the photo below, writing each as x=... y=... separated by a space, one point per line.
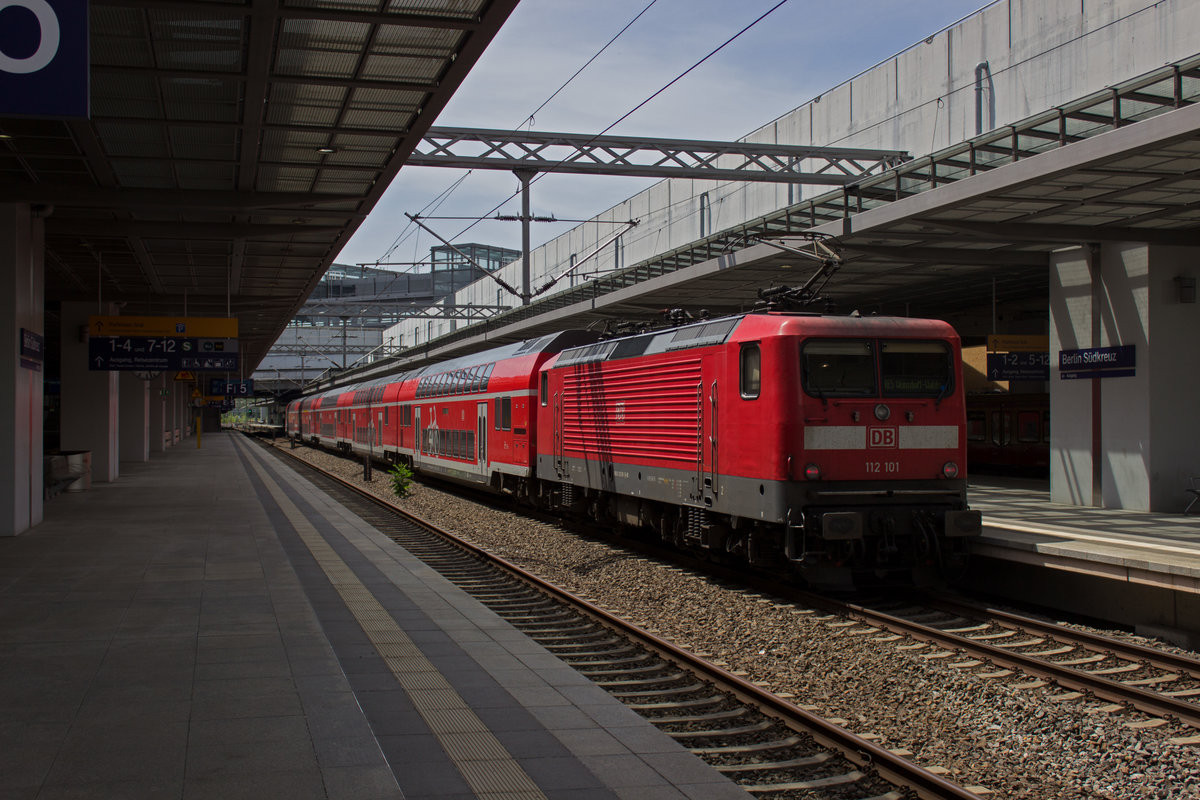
x=503 y=413
x=751 y=371
x=545 y=391
x=1028 y=426
x=976 y=426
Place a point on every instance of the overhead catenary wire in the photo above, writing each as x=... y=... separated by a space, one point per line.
x=435 y=203
x=410 y=229
x=631 y=111
x=495 y=209
x=529 y=119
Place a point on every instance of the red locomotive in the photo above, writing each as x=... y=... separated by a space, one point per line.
x=834 y=446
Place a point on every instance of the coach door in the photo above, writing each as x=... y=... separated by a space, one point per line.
x=559 y=460
x=417 y=443
x=700 y=444
x=481 y=437
x=710 y=481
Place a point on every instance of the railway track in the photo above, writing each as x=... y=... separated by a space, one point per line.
x=1160 y=683
x=769 y=746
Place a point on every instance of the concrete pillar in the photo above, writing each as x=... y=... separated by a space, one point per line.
x=172 y=409
x=179 y=396
x=1125 y=442
x=135 y=417
x=90 y=398
x=157 y=423
x=22 y=300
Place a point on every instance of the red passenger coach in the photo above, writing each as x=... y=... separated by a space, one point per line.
x=833 y=445
x=471 y=419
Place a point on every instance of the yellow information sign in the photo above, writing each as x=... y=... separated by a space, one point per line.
x=189 y=327
x=1018 y=343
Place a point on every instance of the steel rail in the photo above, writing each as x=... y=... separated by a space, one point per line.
x=1127 y=650
x=861 y=752
x=1149 y=702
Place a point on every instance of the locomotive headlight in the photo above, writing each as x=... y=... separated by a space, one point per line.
x=882 y=412
x=950 y=469
x=812 y=472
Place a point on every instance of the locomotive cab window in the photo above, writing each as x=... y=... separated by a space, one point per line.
x=916 y=368
x=544 y=392
x=838 y=368
x=751 y=371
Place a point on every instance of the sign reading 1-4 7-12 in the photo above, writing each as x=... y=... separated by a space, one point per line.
x=158 y=344
x=162 y=353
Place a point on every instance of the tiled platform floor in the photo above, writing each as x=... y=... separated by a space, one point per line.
x=208 y=626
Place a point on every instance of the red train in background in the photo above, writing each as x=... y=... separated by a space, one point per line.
x=1009 y=433
x=831 y=446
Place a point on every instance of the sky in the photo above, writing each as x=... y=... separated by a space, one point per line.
x=800 y=50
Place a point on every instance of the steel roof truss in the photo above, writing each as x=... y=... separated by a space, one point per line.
x=663 y=158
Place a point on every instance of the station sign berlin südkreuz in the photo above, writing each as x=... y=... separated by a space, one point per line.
x=44 y=63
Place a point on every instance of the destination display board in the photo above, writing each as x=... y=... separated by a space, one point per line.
x=1098 y=362
x=1018 y=366
x=161 y=353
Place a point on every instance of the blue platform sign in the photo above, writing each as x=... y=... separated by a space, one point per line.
x=44 y=63
x=1098 y=362
x=219 y=386
x=1023 y=366
x=161 y=353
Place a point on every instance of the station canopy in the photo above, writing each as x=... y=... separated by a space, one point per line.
x=233 y=147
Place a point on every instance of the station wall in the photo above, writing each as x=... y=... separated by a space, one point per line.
x=1125 y=442
x=1023 y=56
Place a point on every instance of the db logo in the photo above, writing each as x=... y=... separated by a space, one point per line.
x=881 y=437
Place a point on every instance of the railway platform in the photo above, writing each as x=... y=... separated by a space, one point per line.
x=196 y=630
x=1137 y=568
